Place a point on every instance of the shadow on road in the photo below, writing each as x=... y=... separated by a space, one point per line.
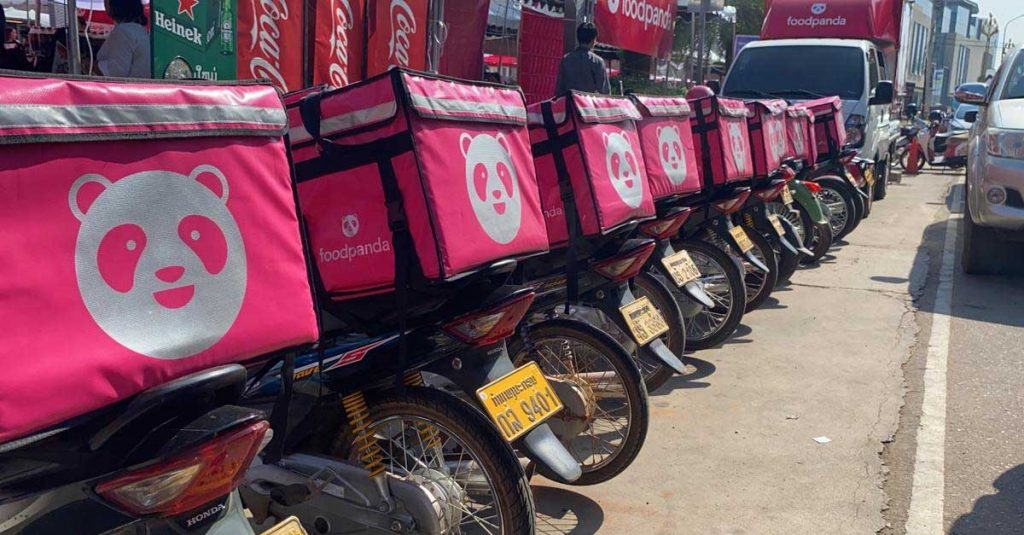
x=564 y=512
x=702 y=369
x=1001 y=513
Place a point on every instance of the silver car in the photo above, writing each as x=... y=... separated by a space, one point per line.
x=995 y=169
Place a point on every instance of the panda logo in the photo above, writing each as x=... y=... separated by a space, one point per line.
x=818 y=8
x=671 y=154
x=623 y=169
x=350 y=225
x=159 y=259
x=798 y=140
x=492 y=185
x=739 y=151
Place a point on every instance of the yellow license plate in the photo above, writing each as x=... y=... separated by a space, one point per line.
x=787 y=197
x=644 y=321
x=741 y=238
x=869 y=175
x=519 y=401
x=681 y=267
x=289 y=526
x=777 y=225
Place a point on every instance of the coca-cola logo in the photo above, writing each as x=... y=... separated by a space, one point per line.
x=341 y=24
x=403 y=27
x=266 y=36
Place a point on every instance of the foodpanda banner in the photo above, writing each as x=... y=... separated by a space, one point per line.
x=338 y=48
x=635 y=25
x=269 y=35
x=396 y=35
x=876 y=20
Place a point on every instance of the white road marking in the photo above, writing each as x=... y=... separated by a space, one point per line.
x=928 y=492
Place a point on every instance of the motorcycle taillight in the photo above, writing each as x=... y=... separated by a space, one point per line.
x=769 y=194
x=665 y=228
x=186 y=481
x=731 y=205
x=490 y=326
x=624 y=267
x=813 y=187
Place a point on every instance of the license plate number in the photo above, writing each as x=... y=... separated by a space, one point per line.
x=519 y=401
x=787 y=197
x=777 y=225
x=681 y=267
x=869 y=175
x=288 y=526
x=741 y=238
x=644 y=320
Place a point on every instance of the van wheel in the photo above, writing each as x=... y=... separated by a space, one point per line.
x=883 y=171
x=980 y=247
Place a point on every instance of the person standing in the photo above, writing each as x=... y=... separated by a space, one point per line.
x=126 y=50
x=582 y=69
x=12 y=54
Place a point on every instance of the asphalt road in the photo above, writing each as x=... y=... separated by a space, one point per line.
x=840 y=353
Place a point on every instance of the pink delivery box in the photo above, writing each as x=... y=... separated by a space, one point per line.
x=667 y=143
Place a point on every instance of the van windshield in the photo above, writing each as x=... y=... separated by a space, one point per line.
x=797 y=72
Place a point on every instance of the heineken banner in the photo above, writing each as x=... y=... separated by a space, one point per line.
x=228 y=40
x=270 y=41
x=397 y=35
x=338 y=52
x=194 y=39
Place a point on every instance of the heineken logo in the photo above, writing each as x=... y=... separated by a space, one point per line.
x=187 y=33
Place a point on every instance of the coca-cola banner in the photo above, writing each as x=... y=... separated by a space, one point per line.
x=463 y=53
x=635 y=25
x=397 y=35
x=270 y=41
x=338 y=51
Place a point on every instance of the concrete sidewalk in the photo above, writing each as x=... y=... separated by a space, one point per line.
x=733 y=451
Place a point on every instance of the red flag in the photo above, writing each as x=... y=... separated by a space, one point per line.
x=270 y=41
x=397 y=35
x=338 y=49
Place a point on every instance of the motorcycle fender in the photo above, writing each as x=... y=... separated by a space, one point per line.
x=656 y=348
x=488 y=365
x=793 y=237
x=693 y=289
x=808 y=202
x=723 y=232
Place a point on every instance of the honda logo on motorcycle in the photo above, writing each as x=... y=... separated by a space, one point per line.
x=164 y=283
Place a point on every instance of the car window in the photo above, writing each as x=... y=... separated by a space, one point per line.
x=872 y=70
x=797 y=72
x=1014 y=86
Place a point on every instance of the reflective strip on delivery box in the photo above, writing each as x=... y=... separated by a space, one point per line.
x=150 y=231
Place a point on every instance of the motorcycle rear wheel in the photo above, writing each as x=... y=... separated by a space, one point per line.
x=655 y=373
x=723 y=281
x=606 y=374
x=760 y=284
x=467 y=441
x=842 y=208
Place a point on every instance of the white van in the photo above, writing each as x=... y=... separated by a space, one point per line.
x=807 y=68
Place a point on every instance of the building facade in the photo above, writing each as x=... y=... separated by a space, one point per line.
x=916 y=38
x=961 y=52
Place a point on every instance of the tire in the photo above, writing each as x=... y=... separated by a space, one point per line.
x=759 y=284
x=723 y=281
x=821 y=242
x=905 y=159
x=654 y=372
x=788 y=261
x=839 y=197
x=882 y=171
x=607 y=357
x=464 y=428
x=980 y=247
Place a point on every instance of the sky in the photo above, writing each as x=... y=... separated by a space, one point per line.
x=1004 y=10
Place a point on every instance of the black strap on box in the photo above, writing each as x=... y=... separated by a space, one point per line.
x=557 y=145
x=704 y=127
x=336 y=158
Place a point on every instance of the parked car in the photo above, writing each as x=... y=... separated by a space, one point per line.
x=995 y=170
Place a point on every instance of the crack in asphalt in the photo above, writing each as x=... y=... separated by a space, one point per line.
x=901 y=296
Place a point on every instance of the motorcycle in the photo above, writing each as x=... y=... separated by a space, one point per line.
x=937 y=148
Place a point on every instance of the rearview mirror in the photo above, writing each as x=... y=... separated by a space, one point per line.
x=883 y=94
x=714 y=85
x=970 y=94
x=971 y=116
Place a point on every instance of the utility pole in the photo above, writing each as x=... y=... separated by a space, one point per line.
x=929 y=66
x=704 y=6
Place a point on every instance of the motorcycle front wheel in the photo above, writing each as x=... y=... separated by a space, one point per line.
x=722 y=278
x=759 y=284
x=455 y=454
x=615 y=417
x=654 y=372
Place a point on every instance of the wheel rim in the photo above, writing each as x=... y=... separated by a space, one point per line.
x=709 y=321
x=609 y=408
x=788 y=214
x=448 y=469
x=838 y=215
